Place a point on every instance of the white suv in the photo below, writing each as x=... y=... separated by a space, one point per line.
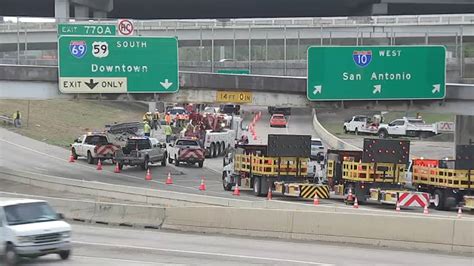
x=317 y=148
x=31 y=228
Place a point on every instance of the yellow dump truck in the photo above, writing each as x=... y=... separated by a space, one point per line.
x=285 y=172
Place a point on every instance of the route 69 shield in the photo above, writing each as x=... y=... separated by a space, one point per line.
x=362 y=58
x=78 y=48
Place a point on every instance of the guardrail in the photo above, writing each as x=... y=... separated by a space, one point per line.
x=456 y=19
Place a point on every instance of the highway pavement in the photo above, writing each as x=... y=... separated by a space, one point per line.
x=100 y=245
x=30 y=156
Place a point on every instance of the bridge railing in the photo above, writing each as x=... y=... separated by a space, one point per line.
x=51 y=24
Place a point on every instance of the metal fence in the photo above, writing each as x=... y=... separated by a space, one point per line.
x=280 y=51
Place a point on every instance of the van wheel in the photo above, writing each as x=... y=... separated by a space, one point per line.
x=65 y=254
x=90 y=160
x=11 y=258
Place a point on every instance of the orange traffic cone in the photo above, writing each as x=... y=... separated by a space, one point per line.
x=425 y=209
x=236 y=190
x=169 y=181
x=269 y=194
x=99 y=165
x=202 y=186
x=117 y=168
x=398 y=206
x=459 y=212
x=356 y=204
x=316 y=199
x=71 y=158
x=148 y=175
x=350 y=197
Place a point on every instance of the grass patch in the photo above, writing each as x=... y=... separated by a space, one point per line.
x=59 y=122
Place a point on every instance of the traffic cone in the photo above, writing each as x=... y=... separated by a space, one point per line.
x=459 y=212
x=236 y=190
x=99 y=165
x=398 y=206
x=202 y=186
x=71 y=158
x=316 y=199
x=356 y=204
x=117 y=168
x=148 y=175
x=425 y=209
x=269 y=194
x=169 y=181
x=350 y=197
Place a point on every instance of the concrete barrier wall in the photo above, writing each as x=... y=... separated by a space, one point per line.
x=328 y=138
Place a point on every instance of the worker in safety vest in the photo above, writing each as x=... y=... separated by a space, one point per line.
x=146 y=129
x=156 y=120
x=17 y=118
x=168 y=119
x=148 y=117
x=168 y=132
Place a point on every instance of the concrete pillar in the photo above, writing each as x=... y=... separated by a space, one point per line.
x=464 y=130
x=222 y=52
x=81 y=12
x=61 y=9
x=99 y=14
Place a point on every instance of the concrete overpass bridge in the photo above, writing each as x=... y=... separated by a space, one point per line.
x=34 y=82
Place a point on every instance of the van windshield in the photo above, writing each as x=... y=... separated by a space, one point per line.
x=27 y=213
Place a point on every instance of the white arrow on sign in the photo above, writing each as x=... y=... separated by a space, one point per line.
x=317 y=89
x=166 y=84
x=378 y=88
x=436 y=88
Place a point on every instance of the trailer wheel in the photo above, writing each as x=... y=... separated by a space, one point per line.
x=257 y=186
x=439 y=199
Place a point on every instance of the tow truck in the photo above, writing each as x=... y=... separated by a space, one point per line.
x=281 y=166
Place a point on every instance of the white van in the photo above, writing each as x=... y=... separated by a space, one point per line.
x=31 y=228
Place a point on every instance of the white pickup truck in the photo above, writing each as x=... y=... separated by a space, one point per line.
x=409 y=127
x=93 y=146
x=186 y=150
x=362 y=124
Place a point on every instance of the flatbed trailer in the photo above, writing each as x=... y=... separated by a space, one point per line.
x=251 y=168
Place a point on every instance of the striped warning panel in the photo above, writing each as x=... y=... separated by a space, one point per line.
x=308 y=191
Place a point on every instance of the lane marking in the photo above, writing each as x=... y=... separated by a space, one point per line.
x=118 y=260
x=181 y=251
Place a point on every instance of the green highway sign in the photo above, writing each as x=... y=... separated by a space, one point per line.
x=376 y=73
x=86 y=29
x=102 y=64
x=234 y=71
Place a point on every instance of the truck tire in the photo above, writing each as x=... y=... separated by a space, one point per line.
x=90 y=159
x=212 y=149
x=227 y=186
x=176 y=161
x=11 y=257
x=356 y=131
x=65 y=254
x=257 y=188
x=163 y=161
x=74 y=154
x=145 y=163
x=382 y=133
x=218 y=149
x=439 y=199
x=200 y=164
x=224 y=150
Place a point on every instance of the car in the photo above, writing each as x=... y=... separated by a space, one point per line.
x=317 y=149
x=31 y=228
x=278 y=120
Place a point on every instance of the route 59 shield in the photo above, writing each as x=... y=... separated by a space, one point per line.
x=78 y=49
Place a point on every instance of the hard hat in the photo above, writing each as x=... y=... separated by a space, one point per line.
x=148 y=113
x=146 y=122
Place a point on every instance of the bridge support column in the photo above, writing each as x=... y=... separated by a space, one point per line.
x=81 y=12
x=61 y=9
x=464 y=134
x=99 y=14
